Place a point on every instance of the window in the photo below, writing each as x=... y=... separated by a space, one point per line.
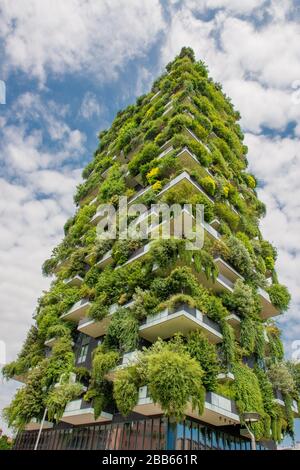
x=82 y=353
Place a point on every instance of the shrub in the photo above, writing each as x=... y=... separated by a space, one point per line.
x=225 y=213
x=280 y=296
x=99 y=308
x=122 y=332
x=103 y=361
x=126 y=134
x=281 y=378
x=205 y=353
x=59 y=397
x=29 y=401
x=174 y=379
x=248 y=396
x=208 y=185
x=240 y=257
x=148 y=153
x=243 y=301
x=123 y=249
x=126 y=391
x=164 y=252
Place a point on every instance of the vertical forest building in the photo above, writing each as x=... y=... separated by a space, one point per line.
x=141 y=343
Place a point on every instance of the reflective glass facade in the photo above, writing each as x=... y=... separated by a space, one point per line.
x=147 y=434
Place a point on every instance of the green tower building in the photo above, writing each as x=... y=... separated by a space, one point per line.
x=142 y=343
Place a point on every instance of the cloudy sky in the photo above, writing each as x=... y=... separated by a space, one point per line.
x=70 y=66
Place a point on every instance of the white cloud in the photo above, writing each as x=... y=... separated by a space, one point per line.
x=36 y=199
x=276 y=162
x=232 y=6
x=252 y=49
x=90 y=106
x=77 y=35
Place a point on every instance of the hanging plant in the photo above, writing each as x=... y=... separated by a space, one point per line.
x=58 y=398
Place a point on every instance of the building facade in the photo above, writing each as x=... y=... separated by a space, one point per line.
x=142 y=343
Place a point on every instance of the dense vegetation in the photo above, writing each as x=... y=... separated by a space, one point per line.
x=185 y=110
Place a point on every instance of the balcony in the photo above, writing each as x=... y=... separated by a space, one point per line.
x=176 y=183
x=132 y=181
x=224 y=377
x=168 y=108
x=49 y=343
x=74 y=281
x=166 y=145
x=218 y=410
x=105 y=260
x=78 y=311
x=138 y=255
x=127 y=360
x=62 y=265
x=93 y=201
x=34 y=425
x=191 y=162
x=97 y=217
x=234 y=321
x=180 y=180
x=227 y=271
x=216 y=224
x=21 y=377
x=268 y=309
x=181 y=319
x=155 y=96
x=280 y=401
x=81 y=412
x=191 y=135
x=96 y=328
x=91 y=194
x=221 y=284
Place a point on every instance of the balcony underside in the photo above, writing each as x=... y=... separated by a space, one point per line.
x=268 y=309
x=77 y=312
x=84 y=416
x=95 y=328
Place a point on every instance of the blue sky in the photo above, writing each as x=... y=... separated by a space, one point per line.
x=70 y=66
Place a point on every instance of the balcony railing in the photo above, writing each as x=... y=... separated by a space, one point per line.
x=218 y=410
x=182 y=177
x=96 y=328
x=74 y=281
x=227 y=271
x=268 y=309
x=181 y=318
x=279 y=399
x=82 y=412
x=193 y=136
x=78 y=311
x=127 y=360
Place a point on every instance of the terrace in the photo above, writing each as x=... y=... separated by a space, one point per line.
x=182 y=318
x=81 y=412
x=218 y=410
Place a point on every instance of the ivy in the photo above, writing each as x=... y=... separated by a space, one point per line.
x=58 y=398
x=122 y=332
x=280 y=297
x=205 y=353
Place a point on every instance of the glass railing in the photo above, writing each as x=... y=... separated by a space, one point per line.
x=193 y=311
